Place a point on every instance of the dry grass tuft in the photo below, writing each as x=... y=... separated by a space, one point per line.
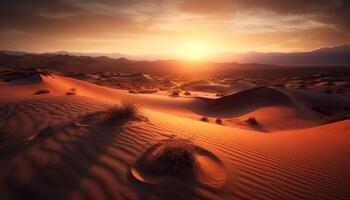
x=42 y=91
x=176 y=157
x=132 y=91
x=218 y=121
x=175 y=93
x=252 y=121
x=204 y=119
x=187 y=93
x=126 y=110
x=72 y=91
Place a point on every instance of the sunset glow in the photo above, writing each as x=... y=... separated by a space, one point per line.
x=195 y=50
x=163 y=28
x=174 y=99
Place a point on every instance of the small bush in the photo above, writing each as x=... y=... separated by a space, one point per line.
x=187 y=93
x=251 y=121
x=71 y=93
x=42 y=91
x=174 y=93
x=176 y=157
x=218 y=121
x=126 y=110
x=132 y=91
x=204 y=119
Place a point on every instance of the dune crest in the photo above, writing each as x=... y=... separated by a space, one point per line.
x=58 y=146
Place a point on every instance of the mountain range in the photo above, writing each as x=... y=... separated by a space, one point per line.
x=339 y=56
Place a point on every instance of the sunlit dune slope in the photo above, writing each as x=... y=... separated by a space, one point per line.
x=275 y=109
x=64 y=161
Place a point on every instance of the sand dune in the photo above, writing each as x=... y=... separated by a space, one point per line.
x=94 y=161
x=289 y=109
x=248 y=100
x=279 y=109
x=207 y=86
x=44 y=155
x=139 y=77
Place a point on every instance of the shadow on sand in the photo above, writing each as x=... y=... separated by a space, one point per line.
x=171 y=191
x=52 y=165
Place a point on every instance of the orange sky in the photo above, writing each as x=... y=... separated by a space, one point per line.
x=187 y=28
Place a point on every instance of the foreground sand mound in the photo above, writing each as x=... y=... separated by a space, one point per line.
x=179 y=161
x=65 y=161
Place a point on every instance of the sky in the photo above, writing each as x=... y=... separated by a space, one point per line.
x=190 y=28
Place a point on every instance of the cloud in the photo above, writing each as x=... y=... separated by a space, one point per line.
x=139 y=20
x=330 y=12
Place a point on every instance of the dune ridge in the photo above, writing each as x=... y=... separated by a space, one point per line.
x=96 y=160
x=44 y=155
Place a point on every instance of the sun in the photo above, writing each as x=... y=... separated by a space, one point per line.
x=195 y=50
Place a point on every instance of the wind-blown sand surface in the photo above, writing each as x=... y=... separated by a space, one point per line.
x=44 y=155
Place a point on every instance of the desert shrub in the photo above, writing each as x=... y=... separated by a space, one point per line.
x=113 y=115
x=133 y=91
x=71 y=93
x=42 y=91
x=124 y=110
x=251 y=121
x=174 y=93
x=187 y=93
x=204 y=119
x=176 y=157
x=148 y=91
x=218 y=121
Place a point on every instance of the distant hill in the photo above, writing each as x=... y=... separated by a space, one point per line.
x=110 y=55
x=339 y=56
x=66 y=63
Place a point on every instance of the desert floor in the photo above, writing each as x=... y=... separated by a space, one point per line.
x=274 y=142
